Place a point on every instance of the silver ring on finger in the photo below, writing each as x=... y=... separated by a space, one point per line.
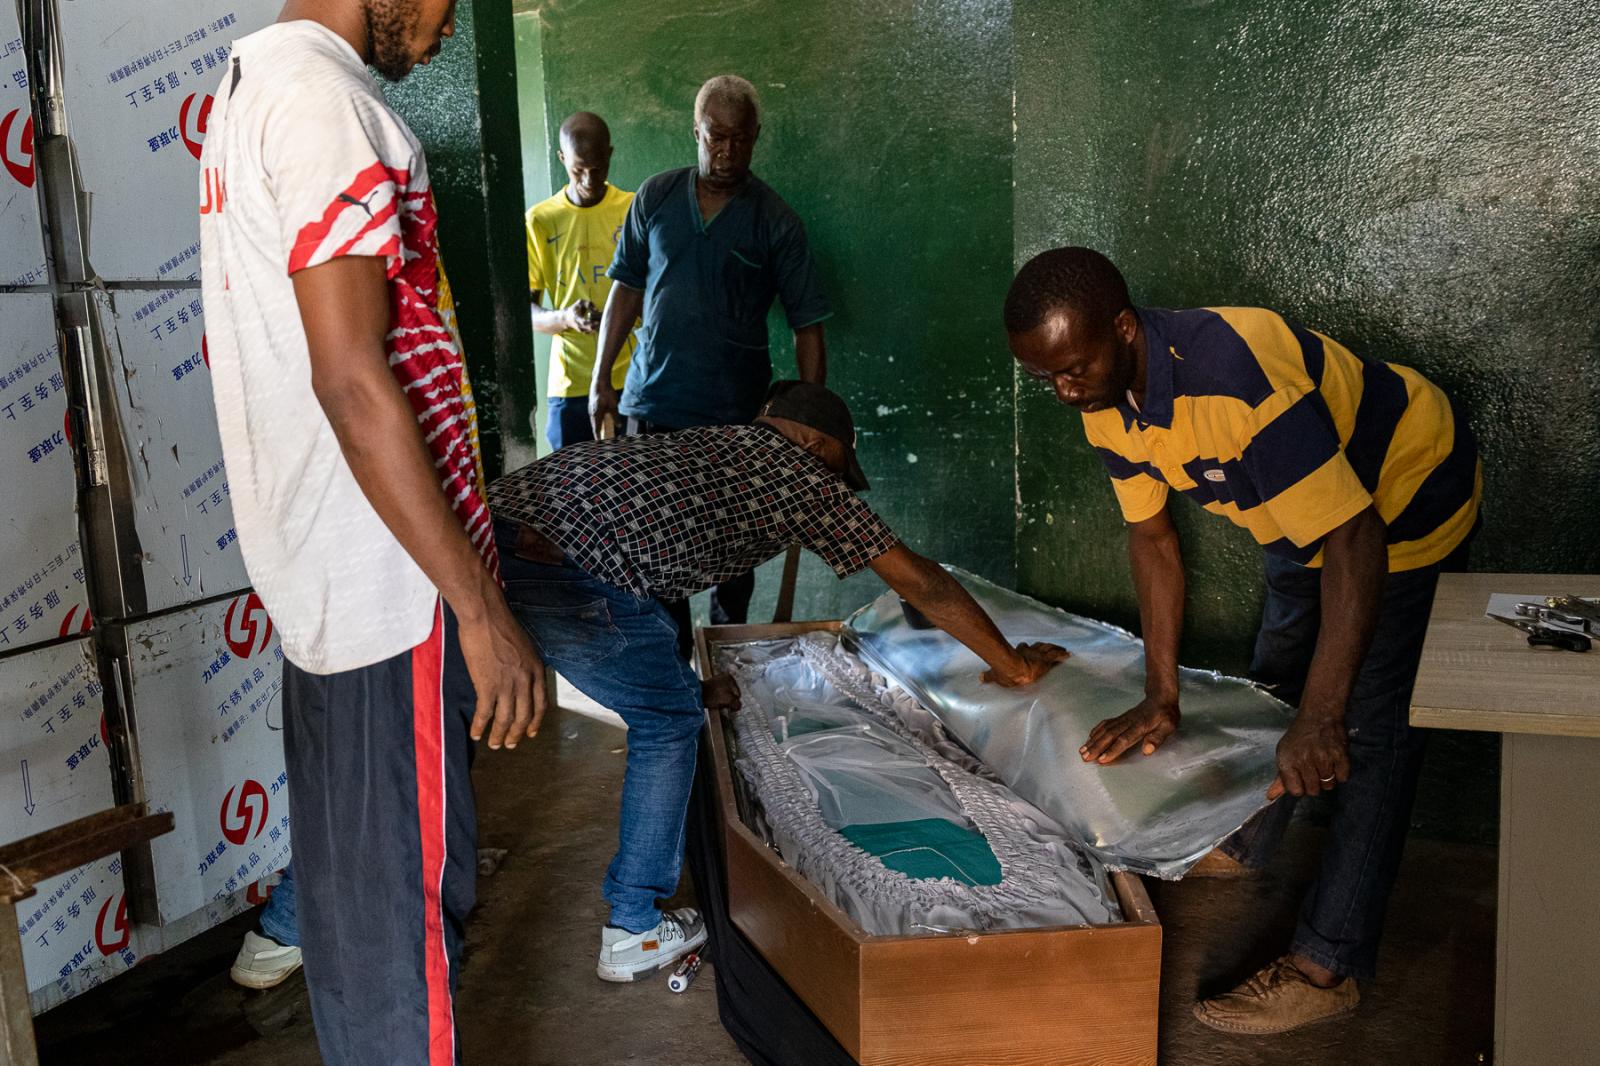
x=1326 y=780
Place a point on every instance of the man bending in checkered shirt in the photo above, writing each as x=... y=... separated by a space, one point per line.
x=595 y=537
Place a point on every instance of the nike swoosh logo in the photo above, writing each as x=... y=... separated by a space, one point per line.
x=552 y=240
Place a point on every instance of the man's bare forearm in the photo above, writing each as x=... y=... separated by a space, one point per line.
x=1355 y=566
x=1156 y=559
x=546 y=320
x=811 y=354
x=1155 y=556
x=344 y=307
x=930 y=589
x=616 y=322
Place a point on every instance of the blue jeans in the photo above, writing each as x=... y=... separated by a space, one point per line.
x=1341 y=919
x=569 y=421
x=621 y=652
x=277 y=917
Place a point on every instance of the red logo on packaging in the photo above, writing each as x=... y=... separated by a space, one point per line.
x=194 y=134
x=205 y=351
x=247 y=629
x=105 y=736
x=84 y=623
x=111 y=930
x=17 y=152
x=244 y=820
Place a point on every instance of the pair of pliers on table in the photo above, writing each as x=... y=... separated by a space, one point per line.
x=1587 y=608
x=1543 y=636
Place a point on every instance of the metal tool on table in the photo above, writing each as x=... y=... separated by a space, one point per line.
x=1543 y=635
x=1586 y=607
x=1545 y=614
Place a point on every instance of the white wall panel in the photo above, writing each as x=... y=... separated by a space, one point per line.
x=140 y=78
x=42 y=581
x=188 y=550
x=208 y=715
x=21 y=234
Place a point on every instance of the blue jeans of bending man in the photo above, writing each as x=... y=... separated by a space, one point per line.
x=621 y=652
x=277 y=917
x=1341 y=919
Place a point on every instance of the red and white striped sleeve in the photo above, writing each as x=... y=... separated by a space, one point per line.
x=340 y=172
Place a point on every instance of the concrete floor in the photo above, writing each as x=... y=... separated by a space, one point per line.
x=529 y=994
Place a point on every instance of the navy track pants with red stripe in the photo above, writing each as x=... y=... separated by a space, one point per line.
x=385 y=837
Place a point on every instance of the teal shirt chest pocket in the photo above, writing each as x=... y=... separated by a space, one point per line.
x=748 y=289
x=568 y=624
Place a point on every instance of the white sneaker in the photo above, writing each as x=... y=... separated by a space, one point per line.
x=263 y=962
x=626 y=956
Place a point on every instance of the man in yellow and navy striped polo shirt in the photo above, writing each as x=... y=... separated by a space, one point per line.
x=1360 y=480
x=572 y=237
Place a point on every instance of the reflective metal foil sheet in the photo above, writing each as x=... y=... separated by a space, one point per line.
x=1154 y=814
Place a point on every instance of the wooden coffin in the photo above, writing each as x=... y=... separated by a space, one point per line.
x=1033 y=997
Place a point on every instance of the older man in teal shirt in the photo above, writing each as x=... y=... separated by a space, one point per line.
x=704 y=252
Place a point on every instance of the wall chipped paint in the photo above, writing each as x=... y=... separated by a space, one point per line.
x=463 y=107
x=888 y=129
x=1421 y=182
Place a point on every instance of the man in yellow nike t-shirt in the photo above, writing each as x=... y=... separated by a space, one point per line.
x=572 y=237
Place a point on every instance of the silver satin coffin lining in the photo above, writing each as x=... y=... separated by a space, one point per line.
x=822 y=744
x=1154 y=814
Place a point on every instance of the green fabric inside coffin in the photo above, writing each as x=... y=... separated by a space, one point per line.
x=799 y=727
x=929 y=848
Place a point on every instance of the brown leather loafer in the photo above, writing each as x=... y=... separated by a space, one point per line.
x=1277 y=999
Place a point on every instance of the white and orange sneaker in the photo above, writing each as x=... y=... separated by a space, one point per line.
x=626 y=956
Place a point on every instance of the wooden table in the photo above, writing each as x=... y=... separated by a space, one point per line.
x=1480 y=674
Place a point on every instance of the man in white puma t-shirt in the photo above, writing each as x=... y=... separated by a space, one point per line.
x=348 y=432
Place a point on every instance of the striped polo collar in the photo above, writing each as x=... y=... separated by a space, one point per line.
x=1157 y=407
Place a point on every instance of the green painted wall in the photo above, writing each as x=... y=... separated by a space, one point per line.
x=1420 y=181
x=536 y=148
x=536 y=155
x=888 y=129
x=463 y=107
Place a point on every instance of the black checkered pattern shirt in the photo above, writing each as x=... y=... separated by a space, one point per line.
x=669 y=515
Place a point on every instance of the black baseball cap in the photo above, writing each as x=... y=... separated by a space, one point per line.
x=822 y=409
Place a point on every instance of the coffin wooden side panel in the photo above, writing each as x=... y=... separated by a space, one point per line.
x=1023 y=998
